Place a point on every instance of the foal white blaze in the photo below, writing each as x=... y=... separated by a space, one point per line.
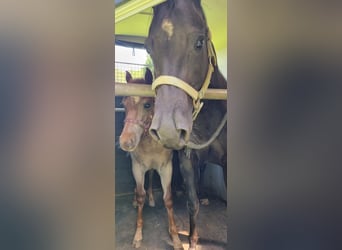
x=136 y=99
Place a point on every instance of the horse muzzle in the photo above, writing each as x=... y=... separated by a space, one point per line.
x=128 y=143
x=172 y=121
x=170 y=137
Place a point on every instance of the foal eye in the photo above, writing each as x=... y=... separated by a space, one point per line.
x=199 y=43
x=147 y=105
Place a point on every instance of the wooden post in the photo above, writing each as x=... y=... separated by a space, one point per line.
x=132 y=89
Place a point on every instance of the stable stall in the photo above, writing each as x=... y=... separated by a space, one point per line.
x=132 y=21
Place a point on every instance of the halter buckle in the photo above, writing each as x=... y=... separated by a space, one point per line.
x=197 y=108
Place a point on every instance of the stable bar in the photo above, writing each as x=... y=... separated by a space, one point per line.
x=133 y=89
x=119 y=109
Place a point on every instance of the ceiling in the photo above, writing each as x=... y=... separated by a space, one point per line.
x=137 y=25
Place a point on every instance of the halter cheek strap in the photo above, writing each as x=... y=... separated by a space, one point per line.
x=193 y=93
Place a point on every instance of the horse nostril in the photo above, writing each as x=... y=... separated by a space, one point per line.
x=184 y=135
x=127 y=145
x=154 y=134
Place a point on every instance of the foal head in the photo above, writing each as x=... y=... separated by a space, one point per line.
x=139 y=113
x=180 y=47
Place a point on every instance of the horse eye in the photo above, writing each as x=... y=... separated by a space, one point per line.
x=199 y=43
x=147 y=105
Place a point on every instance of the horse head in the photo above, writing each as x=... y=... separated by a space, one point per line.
x=183 y=56
x=139 y=113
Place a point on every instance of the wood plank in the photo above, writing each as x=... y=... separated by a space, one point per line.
x=132 y=89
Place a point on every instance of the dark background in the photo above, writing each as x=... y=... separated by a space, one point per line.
x=57 y=119
x=284 y=61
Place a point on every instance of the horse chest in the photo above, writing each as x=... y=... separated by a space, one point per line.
x=151 y=155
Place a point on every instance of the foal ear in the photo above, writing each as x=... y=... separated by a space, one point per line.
x=148 y=76
x=128 y=76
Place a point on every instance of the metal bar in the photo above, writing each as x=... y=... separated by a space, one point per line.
x=119 y=110
x=137 y=64
x=133 y=89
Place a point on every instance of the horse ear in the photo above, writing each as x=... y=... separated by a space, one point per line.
x=171 y=4
x=148 y=76
x=196 y=3
x=128 y=76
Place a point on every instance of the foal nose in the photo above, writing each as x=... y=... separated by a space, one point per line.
x=127 y=144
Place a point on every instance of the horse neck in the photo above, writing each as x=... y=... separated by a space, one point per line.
x=217 y=80
x=206 y=114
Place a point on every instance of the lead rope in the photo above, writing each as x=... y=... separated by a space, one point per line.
x=192 y=145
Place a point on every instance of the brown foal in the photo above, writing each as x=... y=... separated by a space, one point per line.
x=146 y=155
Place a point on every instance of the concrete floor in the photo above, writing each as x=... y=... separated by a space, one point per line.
x=212 y=224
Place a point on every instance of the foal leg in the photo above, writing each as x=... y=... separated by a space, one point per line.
x=192 y=202
x=139 y=176
x=165 y=177
x=151 y=202
x=135 y=203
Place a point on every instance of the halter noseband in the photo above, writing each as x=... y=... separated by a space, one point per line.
x=179 y=83
x=144 y=124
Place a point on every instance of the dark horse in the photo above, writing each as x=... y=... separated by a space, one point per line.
x=184 y=61
x=146 y=155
